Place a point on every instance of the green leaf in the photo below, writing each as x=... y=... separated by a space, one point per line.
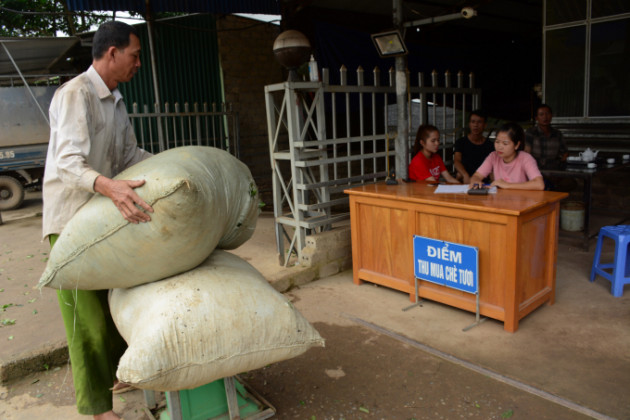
x=34 y=311
x=7 y=321
x=32 y=300
x=252 y=190
x=39 y=395
x=121 y=399
x=10 y=337
x=29 y=256
x=507 y=414
x=364 y=409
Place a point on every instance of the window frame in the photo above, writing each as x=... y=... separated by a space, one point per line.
x=587 y=23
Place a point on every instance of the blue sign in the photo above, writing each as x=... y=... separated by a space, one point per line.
x=446 y=263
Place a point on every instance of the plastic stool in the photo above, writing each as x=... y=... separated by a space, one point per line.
x=620 y=275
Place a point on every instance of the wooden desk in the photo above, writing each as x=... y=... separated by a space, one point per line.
x=516 y=233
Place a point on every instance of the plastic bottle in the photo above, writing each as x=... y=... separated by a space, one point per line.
x=313 y=72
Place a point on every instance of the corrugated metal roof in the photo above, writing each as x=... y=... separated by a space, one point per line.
x=187 y=62
x=270 y=7
x=33 y=54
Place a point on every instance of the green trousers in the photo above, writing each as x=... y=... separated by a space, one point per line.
x=94 y=344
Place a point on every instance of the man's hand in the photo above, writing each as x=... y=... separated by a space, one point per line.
x=122 y=193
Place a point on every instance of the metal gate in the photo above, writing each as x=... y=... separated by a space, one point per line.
x=326 y=138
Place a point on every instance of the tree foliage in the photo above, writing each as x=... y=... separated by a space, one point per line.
x=44 y=18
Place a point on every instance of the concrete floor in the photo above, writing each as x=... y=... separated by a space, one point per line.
x=575 y=352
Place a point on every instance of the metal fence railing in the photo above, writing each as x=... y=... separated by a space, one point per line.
x=205 y=125
x=326 y=138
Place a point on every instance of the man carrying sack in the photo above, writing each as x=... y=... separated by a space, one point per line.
x=91 y=141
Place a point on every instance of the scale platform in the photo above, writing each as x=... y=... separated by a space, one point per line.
x=224 y=399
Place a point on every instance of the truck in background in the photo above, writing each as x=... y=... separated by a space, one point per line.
x=29 y=76
x=23 y=142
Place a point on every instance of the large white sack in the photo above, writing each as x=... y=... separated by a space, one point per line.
x=202 y=198
x=217 y=320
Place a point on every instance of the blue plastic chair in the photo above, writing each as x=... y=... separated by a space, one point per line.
x=620 y=274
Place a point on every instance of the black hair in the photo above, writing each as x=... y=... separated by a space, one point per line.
x=479 y=113
x=111 y=34
x=543 y=106
x=423 y=133
x=515 y=133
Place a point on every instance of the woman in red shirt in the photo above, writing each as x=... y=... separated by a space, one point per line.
x=427 y=165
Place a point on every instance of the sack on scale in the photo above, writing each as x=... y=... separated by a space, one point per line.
x=217 y=320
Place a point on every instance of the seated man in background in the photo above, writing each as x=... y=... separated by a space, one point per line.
x=472 y=150
x=544 y=142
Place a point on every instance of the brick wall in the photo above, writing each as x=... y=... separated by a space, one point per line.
x=248 y=64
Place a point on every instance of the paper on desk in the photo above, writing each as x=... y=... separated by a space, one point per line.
x=458 y=189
